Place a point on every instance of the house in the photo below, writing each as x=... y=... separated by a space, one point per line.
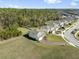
x=46 y=28
x=56 y=25
x=51 y=26
x=36 y=34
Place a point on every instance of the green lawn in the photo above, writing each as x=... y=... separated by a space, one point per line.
x=23 y=48
x=77 y=34
x=23 y=30
x=68 y=25
x=55 y=38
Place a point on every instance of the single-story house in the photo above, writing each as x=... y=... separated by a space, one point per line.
x=36 y=34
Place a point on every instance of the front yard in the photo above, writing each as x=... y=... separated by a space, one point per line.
x=54 y=38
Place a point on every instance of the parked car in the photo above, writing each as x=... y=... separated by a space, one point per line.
x=73 y=32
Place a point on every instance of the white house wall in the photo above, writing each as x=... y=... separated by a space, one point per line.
x=41 y=38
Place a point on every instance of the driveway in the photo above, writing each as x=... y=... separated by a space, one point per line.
x=46 y=42
x=70 y=37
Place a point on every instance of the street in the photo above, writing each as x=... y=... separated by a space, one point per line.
x=70 y=37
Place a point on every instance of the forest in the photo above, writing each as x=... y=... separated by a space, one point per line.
x=11 y=19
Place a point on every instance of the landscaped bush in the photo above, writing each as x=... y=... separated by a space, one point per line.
x=58 y=32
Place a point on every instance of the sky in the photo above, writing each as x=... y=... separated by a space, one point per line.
x=39 y=4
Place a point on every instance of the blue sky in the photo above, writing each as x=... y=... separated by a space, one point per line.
x=39 y=3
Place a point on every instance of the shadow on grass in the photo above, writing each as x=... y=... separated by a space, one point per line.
x=29 y=38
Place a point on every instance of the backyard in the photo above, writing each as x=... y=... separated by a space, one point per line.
x=23 y=30
x=22 y=48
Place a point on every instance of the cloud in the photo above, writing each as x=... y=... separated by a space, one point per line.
x=73 y=3
x=13 y=6
x=9 y=6
x=53 y=1
x=75 y=0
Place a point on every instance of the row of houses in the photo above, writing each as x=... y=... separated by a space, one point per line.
x=50 y=26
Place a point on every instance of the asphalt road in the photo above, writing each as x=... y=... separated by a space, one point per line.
x=70 y=37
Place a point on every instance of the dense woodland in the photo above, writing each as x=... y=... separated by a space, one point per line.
x=11 y=19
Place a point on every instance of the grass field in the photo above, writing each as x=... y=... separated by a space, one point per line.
x=55 y=38
x=23 y=48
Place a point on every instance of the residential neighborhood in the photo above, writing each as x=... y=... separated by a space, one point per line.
x=51 y=27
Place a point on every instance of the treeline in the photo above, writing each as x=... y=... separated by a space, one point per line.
x=27 y=17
